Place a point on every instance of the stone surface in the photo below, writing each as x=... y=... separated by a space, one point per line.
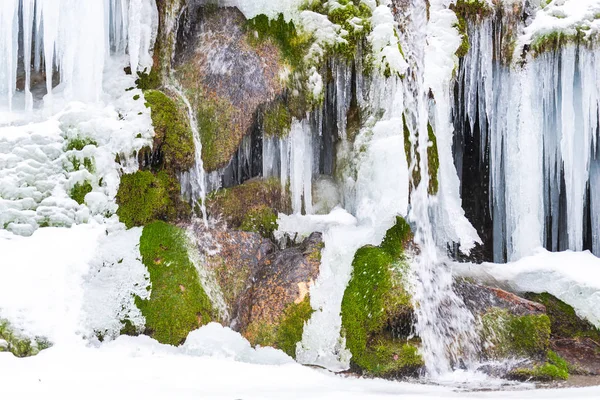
x=226 y=78
x=479 y=299
x=582 y=353
x=284 y=278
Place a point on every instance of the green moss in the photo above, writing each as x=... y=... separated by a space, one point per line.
x=79 y=191
x=465 y=44
x=509 y=335
x=553 y=41
x=473 y=10
x=433 y=161
x=393 y=358
x=291 y=326
x=142 y=198
x=148 y=80
x=432 y=158
x=262 y=220
x=178 y=304
x=293 y=46
x=374 y=295
x=564 y=321
x=277 y=121
x=217 y=131
x=235 y=204
x=174 y=139
x=555 y=368
x=285 y=333
x=78 y=143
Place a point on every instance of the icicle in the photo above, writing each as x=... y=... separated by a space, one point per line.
x=300 y=167
x=9 y=48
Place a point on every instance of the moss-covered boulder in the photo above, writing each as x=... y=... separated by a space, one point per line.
x=226 y=78
x=252 y=206
x=178 y=303
x=572 y=338
x=173 y=147
x=377 y=315
x=514 y=327
x=11 y=340
x=274 y=309
x=144 y=197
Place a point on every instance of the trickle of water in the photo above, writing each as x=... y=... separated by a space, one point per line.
x=196 y=177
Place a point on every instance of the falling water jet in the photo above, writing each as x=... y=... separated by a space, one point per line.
x=197 y=174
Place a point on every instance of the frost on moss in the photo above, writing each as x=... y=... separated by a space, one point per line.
x=285 y=333
x=178 y=303
x=12 y=341
x=173 y=141
x=374 y=297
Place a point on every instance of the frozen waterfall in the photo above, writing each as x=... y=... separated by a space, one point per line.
x=66 y=42
x=538 y=131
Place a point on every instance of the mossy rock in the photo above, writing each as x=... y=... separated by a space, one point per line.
x=277 y=120
x=374 y=300
x=564 y=321
x=555 y=368
x=275 y=306
x=285 y=333
x=261 y=220
x=173 y=140
x=142 y=198
x=507 y=335
x=178 y=303
x=251 y=206
x=19 y=345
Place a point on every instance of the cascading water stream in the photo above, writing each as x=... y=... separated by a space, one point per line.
x=196 y=177
x=446 y=328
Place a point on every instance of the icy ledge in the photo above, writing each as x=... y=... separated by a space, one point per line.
x=573 y=277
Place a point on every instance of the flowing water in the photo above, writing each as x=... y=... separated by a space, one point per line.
x=195 y=179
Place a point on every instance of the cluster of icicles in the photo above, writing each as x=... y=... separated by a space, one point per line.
x=42 y=40
x=539 y=128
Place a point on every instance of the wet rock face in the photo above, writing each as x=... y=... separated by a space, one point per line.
x=235 y=258
x=582 y=353
x=479 y=299
x=284 y=278
x=226 y=78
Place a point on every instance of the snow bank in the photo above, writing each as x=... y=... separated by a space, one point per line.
x=573 y=277
x=41 y=285
x=141 y=368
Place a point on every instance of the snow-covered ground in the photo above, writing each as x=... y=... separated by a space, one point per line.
x=141 y=368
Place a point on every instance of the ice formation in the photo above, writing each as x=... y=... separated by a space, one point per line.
x=538 y=128
x=69 y=40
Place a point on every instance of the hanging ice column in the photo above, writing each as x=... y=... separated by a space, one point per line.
x=70 y=39
x=540 y=124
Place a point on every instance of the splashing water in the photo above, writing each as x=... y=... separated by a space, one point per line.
x=195 y=179
x=445 y=326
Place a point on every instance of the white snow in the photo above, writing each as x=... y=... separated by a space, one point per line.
x=573 y=277
x=564 y=16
